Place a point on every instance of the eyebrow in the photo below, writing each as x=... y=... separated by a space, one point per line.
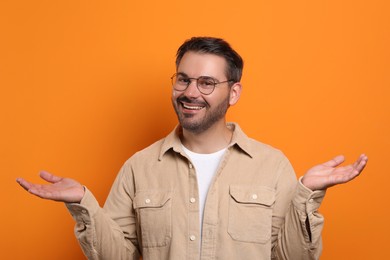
x=182 y=74
x=185 y=75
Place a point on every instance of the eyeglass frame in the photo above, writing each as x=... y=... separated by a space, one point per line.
x=197 y=80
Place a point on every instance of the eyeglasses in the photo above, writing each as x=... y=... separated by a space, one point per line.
x=205 y=85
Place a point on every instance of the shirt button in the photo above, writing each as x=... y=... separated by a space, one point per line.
x=192 y=200
x=190 y=165
x=254 y=196
x=147 y=201
x=84 y=211
x=192 y=237
x=311 y=200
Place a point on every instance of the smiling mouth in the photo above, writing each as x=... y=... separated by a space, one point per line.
x=192 y=107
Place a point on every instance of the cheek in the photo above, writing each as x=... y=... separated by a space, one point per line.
x=175 y=95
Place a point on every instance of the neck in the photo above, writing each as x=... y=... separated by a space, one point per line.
x=212 y=140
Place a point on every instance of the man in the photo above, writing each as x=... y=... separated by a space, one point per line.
x=206 y=191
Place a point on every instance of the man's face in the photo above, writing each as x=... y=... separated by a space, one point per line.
x=198 y=112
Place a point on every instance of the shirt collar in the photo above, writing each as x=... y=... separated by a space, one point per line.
x=239 y=141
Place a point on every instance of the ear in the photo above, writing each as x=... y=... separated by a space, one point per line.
x=235 y=93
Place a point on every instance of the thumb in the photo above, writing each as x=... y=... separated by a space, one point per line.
x=336 y=161
x=49 y=177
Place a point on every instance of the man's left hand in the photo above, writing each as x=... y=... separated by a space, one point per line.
x=326 y=175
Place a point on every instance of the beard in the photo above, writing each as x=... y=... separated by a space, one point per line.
x=200 y=125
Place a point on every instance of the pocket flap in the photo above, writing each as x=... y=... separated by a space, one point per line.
x=253 y=194
x=151 y=199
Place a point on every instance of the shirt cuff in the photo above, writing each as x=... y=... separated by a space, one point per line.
x=83 y=211
x=307 y=200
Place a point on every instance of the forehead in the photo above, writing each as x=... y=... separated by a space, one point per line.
x=196 y=64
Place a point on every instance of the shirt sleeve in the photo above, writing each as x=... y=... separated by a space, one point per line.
x=300 y=235
x=107 y=234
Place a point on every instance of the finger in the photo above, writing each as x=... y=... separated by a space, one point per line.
x=35 y=189
x=49 y=177
x=344 y=174
x=343 y=178
x=25 y=184
x=363 y=158
x=361 y=163
x=350 y=172
x=335 y=161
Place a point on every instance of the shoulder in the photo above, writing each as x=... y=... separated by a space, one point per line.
x=263 y=149
x=254 y=148
x=149 y=153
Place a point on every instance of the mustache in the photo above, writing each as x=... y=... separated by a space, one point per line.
x=191 y=101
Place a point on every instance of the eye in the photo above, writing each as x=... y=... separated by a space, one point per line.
x=206 y=82
x=183 y=80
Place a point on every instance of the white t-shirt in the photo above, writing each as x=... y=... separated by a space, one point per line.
x=205 y=165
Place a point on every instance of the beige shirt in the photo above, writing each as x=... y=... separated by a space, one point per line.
x=255 y=208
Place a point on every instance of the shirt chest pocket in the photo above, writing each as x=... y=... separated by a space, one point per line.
x=250 y=213
x=154 y=222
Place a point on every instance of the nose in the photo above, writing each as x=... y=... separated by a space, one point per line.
x=192 y=89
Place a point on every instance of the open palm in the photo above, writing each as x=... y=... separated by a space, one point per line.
x=59 y=189
x=328 y=174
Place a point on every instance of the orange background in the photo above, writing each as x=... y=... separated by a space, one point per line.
x=85 y=84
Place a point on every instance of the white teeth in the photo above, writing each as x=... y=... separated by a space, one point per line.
x=192 y=107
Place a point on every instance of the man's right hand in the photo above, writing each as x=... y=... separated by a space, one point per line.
x=61 y=189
